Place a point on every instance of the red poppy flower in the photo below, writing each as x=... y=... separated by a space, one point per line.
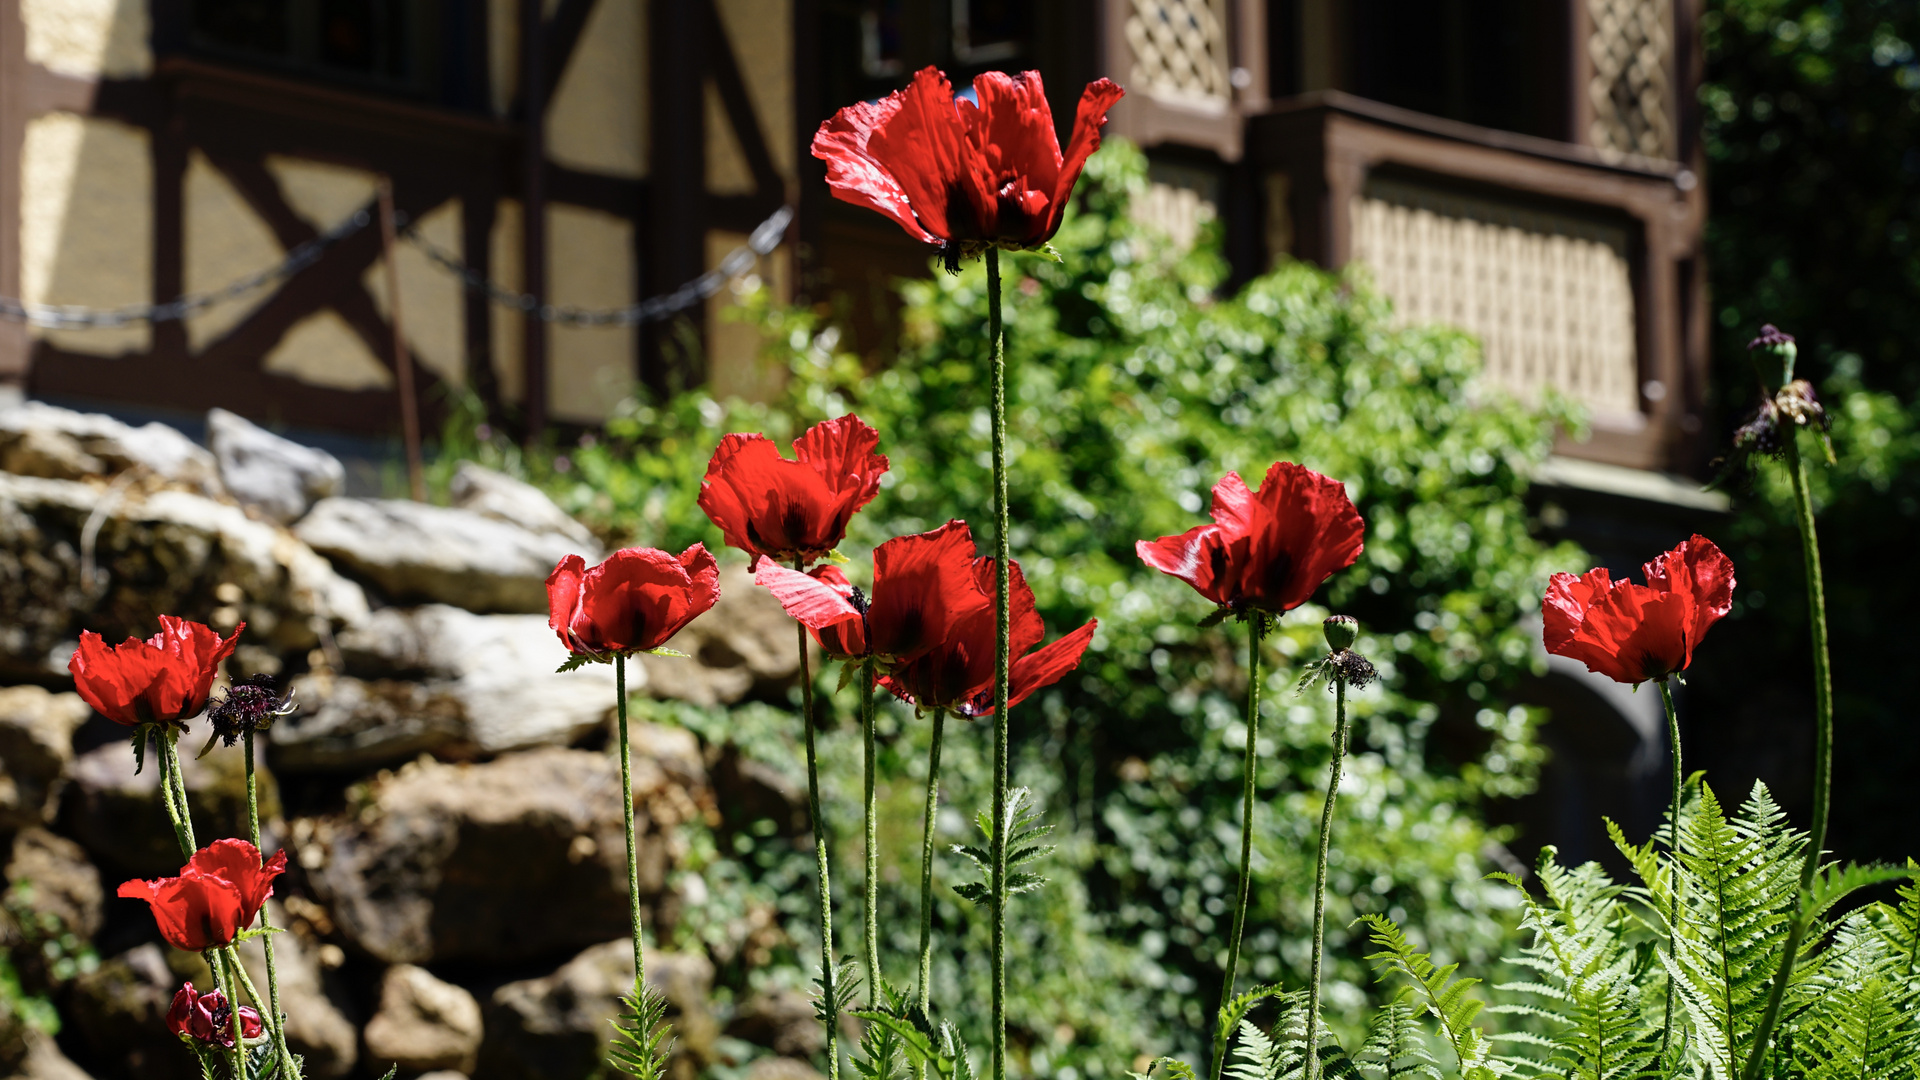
x=922 y=586
x=216 y=895
x=957 y=673
x=632 y=602
x=779 y=508
x=1631 y=633
x=1269 y=550
x=207 y=1018
x=162 y=680
x=963 y=174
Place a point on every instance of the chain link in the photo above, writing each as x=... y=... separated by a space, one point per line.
x=765 y=237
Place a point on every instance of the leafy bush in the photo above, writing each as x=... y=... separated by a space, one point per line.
x=1134 y=387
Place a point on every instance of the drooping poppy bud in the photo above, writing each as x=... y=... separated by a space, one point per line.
x=1267 y=551
x=792 y=508
x=1774 y=352
x=209 y=1018
x=957 y=673
x=216 y=895
x=922 y=586
x=1631 y=633
x=965 y=175
x=632 y=602
x=162 y=680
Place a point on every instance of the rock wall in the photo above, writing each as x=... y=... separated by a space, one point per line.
x=456 y=903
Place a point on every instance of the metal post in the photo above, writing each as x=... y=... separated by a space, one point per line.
x=402 y=360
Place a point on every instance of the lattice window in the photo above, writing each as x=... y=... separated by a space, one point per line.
x=1180 y=49
x=1549 y=295
x=1631 y=90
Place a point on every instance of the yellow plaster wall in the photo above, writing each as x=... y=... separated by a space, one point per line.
x=225 y=241
x=727 y=170
x=735 y=366
x=762 y=35
x=431 y=312
x=89 y=39
x=503 y=48
x=323 y=194
x=597 y=120
x=322 y=350
x=589 y=265
x=86 y=224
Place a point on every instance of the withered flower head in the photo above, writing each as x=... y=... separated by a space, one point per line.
x=249 y=705
x=1351 y=668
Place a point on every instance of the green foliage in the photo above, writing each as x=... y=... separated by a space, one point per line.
x=642 y=1038
x=1024 y=831
x=1444 y=997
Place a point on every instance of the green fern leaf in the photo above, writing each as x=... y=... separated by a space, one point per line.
x=1862 y=1017
x=1444 y=996
x=1236 y=1010
x=882 y=1053
x=1395 y=1046
x=641 y=1043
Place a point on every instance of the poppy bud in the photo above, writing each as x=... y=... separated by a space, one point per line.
x=1342 y=631
x=1773 y=346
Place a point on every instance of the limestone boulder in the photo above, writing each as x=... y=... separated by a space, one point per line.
x=116 y=813
x=118 y=1015
x=37 y=439
x=46 y=1061
x=78 y=555
x=423 y=1023
x=499 y=496
x=36 y=745
x=782 y=1020
x=277 y=477
x=51 y=882
x=444 y=681
x=418 y=552
x=318 y=1027
x=507 y=860
x=557 y=1027
x=782 y=1068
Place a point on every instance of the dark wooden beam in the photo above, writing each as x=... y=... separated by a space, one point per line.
x=732 y=87
x=676 y=193
x=563 y=31
x=533 y=229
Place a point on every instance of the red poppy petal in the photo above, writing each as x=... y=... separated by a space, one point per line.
x=1089 y=118
x=1196 y=557
x=854 y=175
x=738 y=486
x=112 y=679
x=627 y=599
x=812 y=602
x=1309 y=531
x=922 y=584
x=924 y=146
x=1047 y=666
x=1565 y=605
x=563 y=595
x=1701 y=573
x=1013 y=126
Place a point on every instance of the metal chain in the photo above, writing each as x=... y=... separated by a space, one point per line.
x=765 y=237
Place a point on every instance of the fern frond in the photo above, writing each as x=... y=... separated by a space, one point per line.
x=1176 y=1069
x=1023 y=830
x=1444 y=996
x=881 y=1054
x=1395 y=1047
x=1902 y=928
x=1257 y=1057
x=1861 y=1019
x=1235 y=1010
x=641 y=1043
x=834 y=991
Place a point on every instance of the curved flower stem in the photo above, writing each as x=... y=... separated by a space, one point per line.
x=827 y=989
x=1256 y=627
x=222 y=964
x=626 y=806
x=290 y=1070
x=173 y=793
x=1320 y=877
x=274 y=1023
x=924 y=989
x=1822 y=752
x=1001 y=662
x=1679 y=877
x=874 y=996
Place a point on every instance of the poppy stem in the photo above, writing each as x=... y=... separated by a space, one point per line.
x=253 y=994
x=1002 y=660
x=173 y=793
x=924 y=990
x=218 y=961
x=874 y=997
x=274 y=1024
x=1320 y=876
x=829 y=993
x=1679 y=876
x=1256 y=627
x=1822 y=749
x=626 y=805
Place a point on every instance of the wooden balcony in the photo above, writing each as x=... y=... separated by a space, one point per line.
x=1579 y=272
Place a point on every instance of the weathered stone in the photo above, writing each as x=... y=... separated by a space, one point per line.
x=45 y=1061
x=54 y=455
x=501 y=497
x=119 y=1012
x=276 y=476
x=151 y=552
x=746 y=643
x=475 y=685
x=117 y=815
x=161 y=452
x=36 y=744
x=50 y=877
x=782 y=1020
x=317 y=1029
x=510 y=859
x=423 y=1023
x=557 y=1027
x=420 y=552
x=782 y=1068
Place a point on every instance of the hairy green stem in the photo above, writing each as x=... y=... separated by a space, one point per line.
x=1822 y=752
x=874 y=997
x=274 y=1024
x=1002 y=661
x=1679 y=876
x=626 y=807
x=221 y=962
x=1320 y=877
x=1256 y=626
x=923 y=990
x=827 y=987
x=173 y=794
